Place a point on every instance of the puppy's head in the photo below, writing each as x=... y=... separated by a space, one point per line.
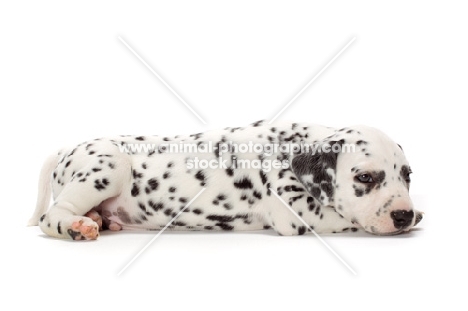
x=364 y=175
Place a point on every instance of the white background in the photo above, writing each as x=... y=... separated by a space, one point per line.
x=65 y=78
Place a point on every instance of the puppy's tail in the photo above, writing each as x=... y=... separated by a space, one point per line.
x=44 y=191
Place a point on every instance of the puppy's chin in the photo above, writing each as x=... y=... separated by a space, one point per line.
x=374 y=231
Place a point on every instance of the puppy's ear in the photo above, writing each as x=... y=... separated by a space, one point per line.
x=316 y=169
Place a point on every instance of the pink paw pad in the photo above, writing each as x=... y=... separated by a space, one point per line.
x=80 y=231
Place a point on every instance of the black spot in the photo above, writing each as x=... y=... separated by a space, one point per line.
x=168 y=212
x=170 y=164
x=215 y=202
x=201 y=177
x=111 y=165
x=183 y=200
x=172 y=189
x=136 y=175
x=135 y=190
x=59 y=228
x=153 y=184
x=156 y=206
x=68 y=163
x=216 y=149
x=142 y=206
x=197 y=211
x=258 y=123
x=230 y=171
x=301 y=230
x=263 y=177
x=294 y=199
x=101 y=184
x=225 y=226
x=197 y=135
x=358 y=192
x=221 y=197
x=144 y=166
x=140 y=138
x=221 y=218
x=96 y=169
x=281 y=173
x=166 y=175
x=257 y=194
x=227 y=206
x=243 y=183
x=91 y=152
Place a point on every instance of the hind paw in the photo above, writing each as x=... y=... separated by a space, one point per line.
x=84 y=229
x=96 y=217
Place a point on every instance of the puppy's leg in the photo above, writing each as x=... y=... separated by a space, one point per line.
x=85 y=190
x=319 y=218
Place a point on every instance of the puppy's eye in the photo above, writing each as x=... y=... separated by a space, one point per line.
x=364 y=178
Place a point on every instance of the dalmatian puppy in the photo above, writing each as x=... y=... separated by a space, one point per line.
x=138 y=183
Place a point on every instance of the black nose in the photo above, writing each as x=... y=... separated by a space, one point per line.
x=401 y=218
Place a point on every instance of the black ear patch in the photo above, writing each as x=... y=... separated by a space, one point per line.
x=313 y=170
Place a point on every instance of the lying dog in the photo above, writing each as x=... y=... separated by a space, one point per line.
x=336 y=180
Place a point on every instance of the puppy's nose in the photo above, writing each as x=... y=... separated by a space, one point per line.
x=402 y=218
